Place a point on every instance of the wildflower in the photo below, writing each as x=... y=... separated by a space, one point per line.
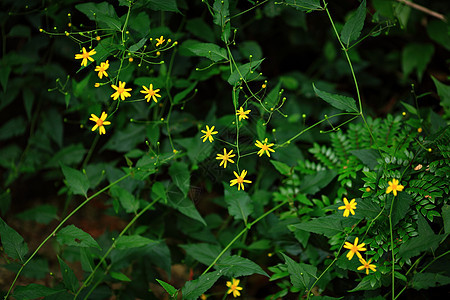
x=366 y=265
x=394 y=187
x=102 y=69
x=348 y=207
x=69 y=24
x=234 y=287
x=203 y=297
x=419 y=130
x=225 y=157
x=120 y=91
x=242 y=114
x=130 y=59
x=85 y=56
x=208 y=134
x=264 y=147
x=100 y=122
x=151 y=94
x=98 y=38
x=354 y=248
x=160 y=41
x=239 y=180
x=368 y=189
x=97 y=84
x=263 y=86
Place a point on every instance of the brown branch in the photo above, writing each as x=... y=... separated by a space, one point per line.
x=424 y=9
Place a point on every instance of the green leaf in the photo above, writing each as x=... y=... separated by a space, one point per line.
x=428 y=280
x=401 y=207
x=367 y=208
x=200 y=29
x=338 y=101
x=240 y=205
x=14 y=127
x=354 y=25
x=443 y=92
x=162 y=5
x=438 y=32
x=133 y=241
x=126 y=199
x=195 y=288
x=120 y=276
x=302 y=275
x=273 y=97
x=281 y=167
x=367 y=156
x=180 y=175
x=304 y=5
x=236 y=266
x=244 y=72
x=159 y=191
x=169 y=289
x=138 y=45
x=208 y=50
x=73 y=236
x=446 y=218
x=34 y=291
x=326 y=225
x=69 y=278
x=313 y=183
x=101 y=12
x=221 y=12
x=203 y=252
x=69 y=155
x=177 y=200
x=77 y=182
x=182 y=95
x=4 y=76
x=43 y=214
x=12 y=242
x=416 y=56
x=365 y=284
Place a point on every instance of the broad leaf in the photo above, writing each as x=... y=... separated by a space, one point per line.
x=34 y=291
x=180 y=175
x=120 y=276
x=101 y=12
x=427 y=280
x=416 y=56
x=69 y=278
x=208 y=50
x=180 y=202
x=443 y=92
x=302 y=275
x=126 y=199
x=12 y=242
x=338 y=101
x=446 y=218
x=236 y=266
x=240 y=205
x=203 y=252
x=169 y=289
x=133 y=241
x=401 y=207
x=73 y=236
x=195 y=288
x=354 y=25
x=244 y=72
x=325 y=225
x=76 y=180
x=281 y=167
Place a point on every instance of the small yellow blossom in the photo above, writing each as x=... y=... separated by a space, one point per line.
x=69 y=24
x=348 y=207
x=264 y=147
x=160 y=41
x=354 y=249
x=263 y=86
x=239 y=180
x=97 y=84
x=121 y=91
x=225 y=157
x=151 y=94
x=203 y=297
x=102 y=69
x=85 y=56
x=366 y=265
x=368 y=189
x=394 y=187
x=98 y=38
x=130 y=59
x=242 y=114
x=100 y=122
x=208 y=134
x=234 y=287
x=419 y=130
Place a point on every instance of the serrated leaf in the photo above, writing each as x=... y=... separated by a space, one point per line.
x=428 y=280
x=43 y=214
x=208 y=50
x=368 y=208
x=240 y=205
x=12 y=242
x=73 y=236
x=34 y=291
x=281 y=167
x=126 y=199
x=169 y=289
x=133 y=241
x=313 y=183
x=180 y=202
x=77 y=182
x=367 y=156
x=416 y=56
x=244 y=72
x=138 y=45
x=180 y=175
x=325 y=225
x=69 y=278
x=302 y=275
x=354 y=25
x=338 y=101
x=195 y=288
x=119 y=276
x=365 y=284
x=159 y=191
x=236 y=266
x=203 y=252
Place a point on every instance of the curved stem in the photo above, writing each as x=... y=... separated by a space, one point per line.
x=392 y=249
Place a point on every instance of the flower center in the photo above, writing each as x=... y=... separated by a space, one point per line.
x=264 y=147
x=99 y=122
x=86 y=55
x=240 y=180
x=354 y=249
x=120 y=90
x=151 y=92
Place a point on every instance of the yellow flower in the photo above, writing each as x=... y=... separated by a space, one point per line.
x=100 y=122
x=85 y=56
x=348 y=207
x=225 y=157
x=242 y=114
x=366 y=265
x=208 y=134
x=354 y=248
x=264 y=147
x=151 y=94
x=102 y=69
x=240 y=181
x=160 y=41
x=203 y=297
x=234 y=287
x=120 y=91
x=394 y=187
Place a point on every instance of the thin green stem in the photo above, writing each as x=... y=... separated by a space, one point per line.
x=53 y=233
x=392 y=249
x=241 y=233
